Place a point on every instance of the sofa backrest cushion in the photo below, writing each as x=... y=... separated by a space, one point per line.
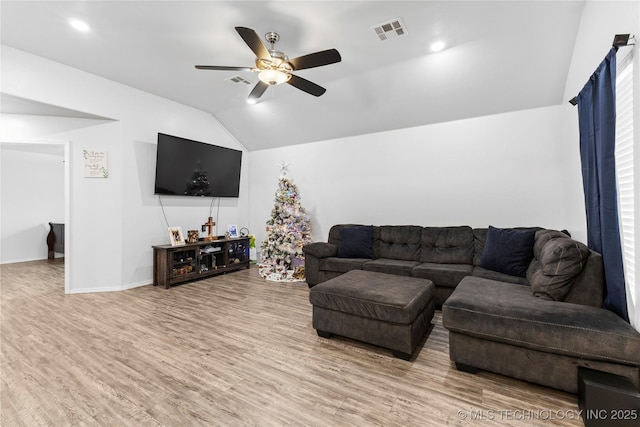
x=544 y=236
x=356 y=242
x=558 y=262
x=508 y=250
x=400 y=242
x=447 y=245
x=479 y=237
x=563 y=257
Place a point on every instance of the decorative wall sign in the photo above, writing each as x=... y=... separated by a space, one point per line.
x=95 y=164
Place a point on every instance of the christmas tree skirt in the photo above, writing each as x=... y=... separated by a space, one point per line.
x=279 y=273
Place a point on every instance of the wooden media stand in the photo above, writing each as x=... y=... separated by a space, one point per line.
x=177 y=264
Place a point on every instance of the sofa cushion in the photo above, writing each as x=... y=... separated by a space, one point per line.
x=543 y=237
x=341 y=265
x=508 y=251
x=442 y=275
x=401 y=242
x=447 y=245
x=563 y=257
x=334 y=233
x=479 y=238
x=356 y=242
x=390 y=266
x=553 y=273
x=511 y=314
x=495 y=275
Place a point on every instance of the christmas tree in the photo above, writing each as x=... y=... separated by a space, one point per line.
x=199 y=184
x=288 y=229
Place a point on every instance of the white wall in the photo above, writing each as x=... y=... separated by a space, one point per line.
x=514 y=169
x=511 y=169
x=115 y=221
x=601 y=21
x=503 y=170
x=32 y=189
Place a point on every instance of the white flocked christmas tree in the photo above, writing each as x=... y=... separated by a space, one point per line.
x=288 y=230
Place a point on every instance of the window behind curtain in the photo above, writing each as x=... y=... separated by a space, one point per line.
x=625 y=176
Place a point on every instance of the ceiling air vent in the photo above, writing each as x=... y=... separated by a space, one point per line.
x=239 y=79
x=389 y=30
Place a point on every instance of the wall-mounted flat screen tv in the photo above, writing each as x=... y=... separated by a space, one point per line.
x=190 y=168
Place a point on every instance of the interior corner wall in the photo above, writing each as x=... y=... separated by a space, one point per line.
x=502 y=170
x=115 y=221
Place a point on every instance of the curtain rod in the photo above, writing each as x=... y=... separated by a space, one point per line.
x=618 y=41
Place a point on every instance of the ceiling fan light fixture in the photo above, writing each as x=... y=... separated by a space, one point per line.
x=274 y=67
x=273 y=77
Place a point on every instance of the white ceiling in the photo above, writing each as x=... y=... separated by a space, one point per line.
x=502 y=56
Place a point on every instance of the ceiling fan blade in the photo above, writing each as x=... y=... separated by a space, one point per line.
x=222 y=68
x=252 y=40
x=317 y=59
x=258 y=90
x=306 y=86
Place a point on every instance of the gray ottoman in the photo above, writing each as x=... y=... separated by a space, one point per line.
x=381 y=309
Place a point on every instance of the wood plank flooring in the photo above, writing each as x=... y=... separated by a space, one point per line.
x=231 y=350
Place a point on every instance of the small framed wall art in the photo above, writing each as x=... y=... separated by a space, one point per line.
x=232 y=230
x=176 y=237
x=95 y=164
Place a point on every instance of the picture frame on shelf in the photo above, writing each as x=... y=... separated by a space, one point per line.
x=175 y=236
x=232 y=230
x=193 y=236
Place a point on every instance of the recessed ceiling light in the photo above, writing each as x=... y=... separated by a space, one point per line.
x=79 y=25
x=437 y=46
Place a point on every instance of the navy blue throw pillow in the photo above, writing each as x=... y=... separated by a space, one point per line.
x=508 y=251
x=356 y=242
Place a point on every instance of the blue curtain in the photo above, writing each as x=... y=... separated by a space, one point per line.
x=597 y=120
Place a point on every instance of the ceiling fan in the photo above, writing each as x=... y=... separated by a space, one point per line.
x=274 y=67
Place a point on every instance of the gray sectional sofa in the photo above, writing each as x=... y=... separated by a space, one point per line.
x=444 y=255
x=522 y=302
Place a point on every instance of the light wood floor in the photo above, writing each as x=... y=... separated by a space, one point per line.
x=230 y=350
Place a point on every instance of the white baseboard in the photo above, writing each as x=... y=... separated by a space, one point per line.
x=136 y=285
x=15 y=261
x=117 y=288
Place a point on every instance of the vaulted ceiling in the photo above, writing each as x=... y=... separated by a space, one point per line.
x=499 y=56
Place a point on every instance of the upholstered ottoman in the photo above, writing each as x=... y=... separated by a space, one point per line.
x=381 y=309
